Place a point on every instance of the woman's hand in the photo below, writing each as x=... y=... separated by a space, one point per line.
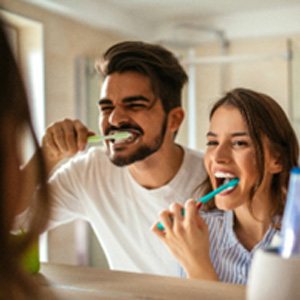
x=187 y=239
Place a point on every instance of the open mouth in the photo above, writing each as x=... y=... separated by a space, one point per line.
x=133 y=135
x=222 y=178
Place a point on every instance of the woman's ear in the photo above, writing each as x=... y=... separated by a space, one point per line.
x=175 y=118
x=275 y=165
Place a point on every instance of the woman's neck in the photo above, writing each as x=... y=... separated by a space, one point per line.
x=251 y=226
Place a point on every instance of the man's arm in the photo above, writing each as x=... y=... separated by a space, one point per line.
x=62 y=140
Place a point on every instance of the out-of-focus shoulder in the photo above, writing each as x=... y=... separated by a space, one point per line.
x=194 y=152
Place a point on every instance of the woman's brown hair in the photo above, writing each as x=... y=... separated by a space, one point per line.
x=264 y=117
x=15 y=116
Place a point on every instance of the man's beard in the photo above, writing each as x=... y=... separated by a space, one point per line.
x=144 y=151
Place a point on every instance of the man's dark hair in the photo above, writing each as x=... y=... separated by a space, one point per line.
x=166 y=74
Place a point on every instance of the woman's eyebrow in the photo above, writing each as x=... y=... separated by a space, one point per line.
x=234 y=134
x=240 y=133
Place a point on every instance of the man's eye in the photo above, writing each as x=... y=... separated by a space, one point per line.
x=136 y=105
x=105 y=108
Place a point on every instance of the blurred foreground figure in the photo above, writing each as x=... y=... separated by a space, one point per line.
x=15 y=126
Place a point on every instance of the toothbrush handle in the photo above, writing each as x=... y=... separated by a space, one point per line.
x=209 y=196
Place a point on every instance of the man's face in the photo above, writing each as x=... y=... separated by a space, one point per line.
x=127 y=103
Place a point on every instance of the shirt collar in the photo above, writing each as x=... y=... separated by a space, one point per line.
x=232 y=240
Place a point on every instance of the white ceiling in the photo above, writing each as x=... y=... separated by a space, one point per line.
x=177 y=20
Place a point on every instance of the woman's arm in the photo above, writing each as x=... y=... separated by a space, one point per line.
x=187 y=239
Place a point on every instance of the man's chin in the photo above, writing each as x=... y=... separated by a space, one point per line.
x=127 y=160
x=120 y=161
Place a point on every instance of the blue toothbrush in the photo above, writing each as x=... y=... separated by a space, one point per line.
x=210 y=195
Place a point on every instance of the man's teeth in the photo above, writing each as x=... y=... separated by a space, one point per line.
x=124 y=140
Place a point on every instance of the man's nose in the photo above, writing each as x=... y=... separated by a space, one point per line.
x=118 y=116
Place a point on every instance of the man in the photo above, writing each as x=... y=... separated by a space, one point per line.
x=121 y=192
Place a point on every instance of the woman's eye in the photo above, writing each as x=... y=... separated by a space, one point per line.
x=240 y=143
x=211 y=143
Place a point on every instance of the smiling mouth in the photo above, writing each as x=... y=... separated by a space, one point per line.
x=133 y=136
x=222 y=178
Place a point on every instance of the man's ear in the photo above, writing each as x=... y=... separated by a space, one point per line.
x=175 y=118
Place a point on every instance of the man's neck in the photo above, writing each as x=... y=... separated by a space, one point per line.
x=159 y=168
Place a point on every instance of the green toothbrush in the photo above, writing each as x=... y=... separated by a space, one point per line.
x=116 y=136
x=210 y=195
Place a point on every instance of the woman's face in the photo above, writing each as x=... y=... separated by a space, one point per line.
x=231 y=154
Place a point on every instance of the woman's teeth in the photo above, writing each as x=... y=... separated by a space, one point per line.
x=230 y=188
x=223 y=178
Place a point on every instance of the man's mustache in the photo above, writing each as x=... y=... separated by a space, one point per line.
x=124 y=127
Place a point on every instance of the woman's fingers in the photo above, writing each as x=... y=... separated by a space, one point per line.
x=177 y=212
x=192 y=214
x=166 y=219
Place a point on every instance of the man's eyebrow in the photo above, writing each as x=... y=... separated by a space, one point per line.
x=106 y=101
x=135 y=98
x=238 y=133
x=210 y=133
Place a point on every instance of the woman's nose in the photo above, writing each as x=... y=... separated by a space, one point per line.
x=222 y=154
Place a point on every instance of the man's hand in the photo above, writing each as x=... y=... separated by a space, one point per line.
x=63 y=139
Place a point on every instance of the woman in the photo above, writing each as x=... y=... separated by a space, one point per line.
x=15 y=123
x=250 y=138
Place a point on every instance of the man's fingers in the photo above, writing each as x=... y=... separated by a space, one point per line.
x=65 y=138
x=82 y=134
x=49 y=143
x=56 y=135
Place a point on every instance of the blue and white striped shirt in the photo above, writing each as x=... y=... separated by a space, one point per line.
x=230 y=259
